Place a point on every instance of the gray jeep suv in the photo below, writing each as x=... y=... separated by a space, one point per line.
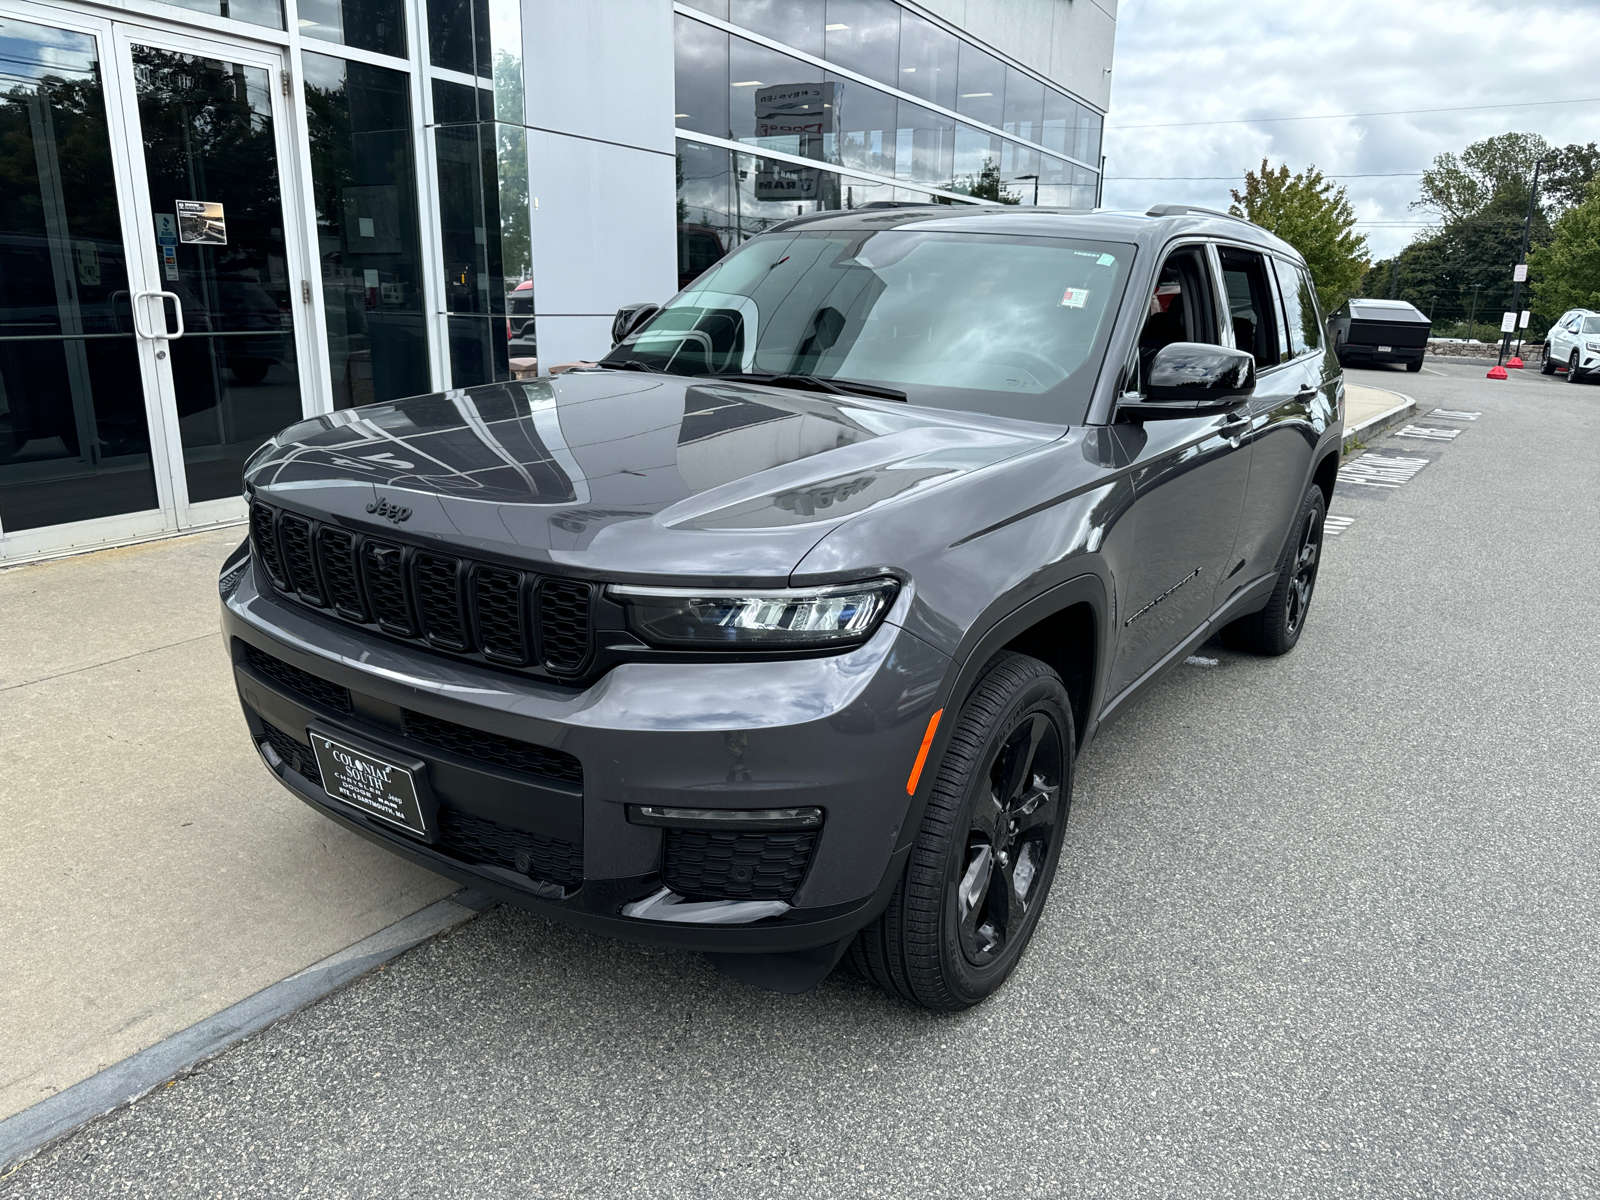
x=776 y=635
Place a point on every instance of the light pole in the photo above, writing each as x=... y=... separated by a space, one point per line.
x=1522 y=259
x=1472 y=321
x=1035 y=179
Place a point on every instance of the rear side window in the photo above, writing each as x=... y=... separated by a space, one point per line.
x=1299 y=308
x=1252 y=307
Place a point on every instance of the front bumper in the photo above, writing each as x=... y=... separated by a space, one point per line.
x=838 y=733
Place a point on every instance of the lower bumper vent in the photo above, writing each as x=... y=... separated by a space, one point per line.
x=298 y=757
x=475 y=840
x=702 y=864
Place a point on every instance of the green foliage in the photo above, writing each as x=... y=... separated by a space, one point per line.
x=1568 y=173
x=1496 y=168
x=1312 y=215
x=987 y=185
x=1567 y=271
x=511 y=165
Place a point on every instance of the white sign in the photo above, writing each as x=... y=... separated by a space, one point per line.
x=1508 y=322
x=1523 y=324
x=1519 y=273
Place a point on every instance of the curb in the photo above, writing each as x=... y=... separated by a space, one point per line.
x=25 y=1134
x=1373 y=426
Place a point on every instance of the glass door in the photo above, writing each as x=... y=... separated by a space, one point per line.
x=75 y=429
x=224 y=307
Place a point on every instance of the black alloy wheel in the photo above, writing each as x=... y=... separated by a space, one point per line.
x=1548 y=365
x=1277 y=627
x=986 y=851
x=1572 y=368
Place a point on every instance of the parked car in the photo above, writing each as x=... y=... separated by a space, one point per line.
x=520 y=326
x=777 y=634
x=1574 y=343
x=1374 y=331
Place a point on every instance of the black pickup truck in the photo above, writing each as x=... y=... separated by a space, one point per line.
x=1374 y=331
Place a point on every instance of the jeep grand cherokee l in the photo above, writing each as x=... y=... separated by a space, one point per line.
x=776 y=635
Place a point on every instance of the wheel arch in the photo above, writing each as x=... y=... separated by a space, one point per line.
x=1326 y=475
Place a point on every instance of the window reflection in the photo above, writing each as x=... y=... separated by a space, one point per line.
x=925 y=145
x=796 y=23
x=364 y=182
x=868 y=128
x=927 y=60
x=458 y=35
x=700 y=63
x=256 y=12
x=864 y=36
x=377 y=25
x=1024 y=106
x=980 y=85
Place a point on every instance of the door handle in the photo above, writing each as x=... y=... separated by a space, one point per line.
x=1307 y=392
x=162 y=298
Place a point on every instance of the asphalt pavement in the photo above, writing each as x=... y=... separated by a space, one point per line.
x=1325 y=926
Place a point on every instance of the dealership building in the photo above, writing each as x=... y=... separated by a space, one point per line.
x=220 y=216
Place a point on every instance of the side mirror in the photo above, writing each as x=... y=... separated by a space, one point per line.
x=1190 y=379
x=629 y=318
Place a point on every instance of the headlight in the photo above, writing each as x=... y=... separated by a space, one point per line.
x=1593 y=345
x=780 y=618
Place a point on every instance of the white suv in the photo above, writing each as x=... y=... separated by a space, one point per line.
x=1573 y=342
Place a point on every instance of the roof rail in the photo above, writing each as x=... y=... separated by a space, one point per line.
x=1184 y=210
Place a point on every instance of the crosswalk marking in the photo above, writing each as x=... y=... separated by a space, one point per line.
x=1381 y=470
x=1432 y=435
x=1451 y=414
x=1336 y=525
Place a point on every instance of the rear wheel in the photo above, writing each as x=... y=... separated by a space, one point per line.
x=1572 y=368
x=1414 y=367
x=984 y=857
x=1277 y=627
x=1548 y=366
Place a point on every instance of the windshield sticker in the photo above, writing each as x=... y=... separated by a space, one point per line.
x=1107 y=260
x=1074 y=298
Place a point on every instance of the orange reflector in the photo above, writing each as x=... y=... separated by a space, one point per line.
x=922 y=754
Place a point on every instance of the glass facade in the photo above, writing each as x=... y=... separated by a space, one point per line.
x=1004 y=136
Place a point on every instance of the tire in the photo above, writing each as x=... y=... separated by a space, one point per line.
x=1548 y=366
x=1572 y=368
x=1414 y=367
x=954 y=931
x=1277 y=627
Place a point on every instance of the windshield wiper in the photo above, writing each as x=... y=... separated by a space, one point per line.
x=815 y=383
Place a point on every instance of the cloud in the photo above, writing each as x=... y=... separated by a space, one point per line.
x=1199 y=60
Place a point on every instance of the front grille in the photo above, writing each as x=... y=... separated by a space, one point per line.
x=492 y=748
x=264 y=538
x=711 y=864
x=490 y=613
x=330 y=695
x=296 y=756
x=475 y=840
x=337 y=550
x=294 y=537
x=564 y=624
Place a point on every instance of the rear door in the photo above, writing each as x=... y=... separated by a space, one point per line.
x=1189 y=481
x=1277 y=308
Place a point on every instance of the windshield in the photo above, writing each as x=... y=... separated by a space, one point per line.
x=1014 y=326
x=1591 y=324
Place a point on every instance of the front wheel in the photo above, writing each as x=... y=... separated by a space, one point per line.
x=1572 y=368
x=986 y=852
x=1277 y=627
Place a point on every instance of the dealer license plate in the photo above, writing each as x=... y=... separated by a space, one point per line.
x=1385 y=349
x=359 y=777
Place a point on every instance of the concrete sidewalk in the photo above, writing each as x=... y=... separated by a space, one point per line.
x=1368 y=411
x=152 y=873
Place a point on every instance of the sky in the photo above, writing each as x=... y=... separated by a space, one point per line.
x=1245 y=60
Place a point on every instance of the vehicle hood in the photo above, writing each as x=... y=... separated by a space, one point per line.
x=629 y=475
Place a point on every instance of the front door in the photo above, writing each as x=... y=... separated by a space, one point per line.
x=151 y=330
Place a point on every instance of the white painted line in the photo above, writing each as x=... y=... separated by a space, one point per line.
x=1194 y=660
x=1441 y=374
x=1336 y=525
x=1452 y=414
x=1381 y=470
x=25 y=1133
x=1428 y=434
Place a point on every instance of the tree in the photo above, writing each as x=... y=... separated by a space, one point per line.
x=1314 y=217
x=1500 y=166
x=1568 y=174
x=987 y=185
x=1567 y=271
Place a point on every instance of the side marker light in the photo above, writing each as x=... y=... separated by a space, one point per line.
x=922 y=754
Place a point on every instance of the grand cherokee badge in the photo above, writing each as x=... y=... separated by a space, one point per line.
x=383 y=508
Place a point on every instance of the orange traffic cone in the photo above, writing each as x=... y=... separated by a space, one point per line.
x=1514 y=363
x=1498 y=372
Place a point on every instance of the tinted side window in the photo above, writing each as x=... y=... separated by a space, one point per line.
x=1182 y=307
x=1252 y=307
x=1299 y=309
